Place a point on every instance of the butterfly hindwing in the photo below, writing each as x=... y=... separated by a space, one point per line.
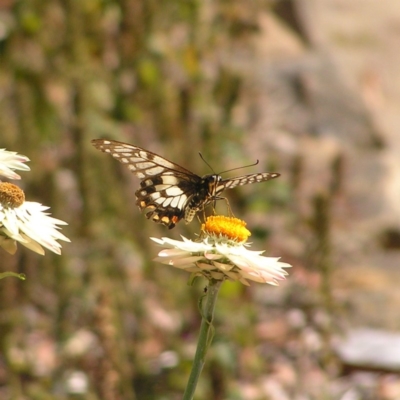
x=165 y=197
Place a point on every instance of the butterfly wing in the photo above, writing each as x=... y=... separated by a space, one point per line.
x=165 y=188
x=245 y=180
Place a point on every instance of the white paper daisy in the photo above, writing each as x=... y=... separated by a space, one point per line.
x=222 y=254
x=10 y=161
x=27 y=223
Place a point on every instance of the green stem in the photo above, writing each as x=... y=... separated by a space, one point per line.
x=205 y=336
x=6 y=274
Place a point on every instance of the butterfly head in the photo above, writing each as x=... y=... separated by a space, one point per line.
x=212 y=183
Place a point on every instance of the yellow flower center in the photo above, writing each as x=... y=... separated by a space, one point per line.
x=11 y=195
x=232 y=228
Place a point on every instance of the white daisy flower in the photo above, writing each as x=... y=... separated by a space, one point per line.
x=27 y=223
x=222 y=254
x=10 y=161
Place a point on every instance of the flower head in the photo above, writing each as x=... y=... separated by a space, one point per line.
x=10 y=161
x=26 y=222
x=222 y=254
x=226 y=227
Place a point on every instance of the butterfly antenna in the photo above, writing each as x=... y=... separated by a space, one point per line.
x=245 y=166
x=228 y=170
x=209 y=166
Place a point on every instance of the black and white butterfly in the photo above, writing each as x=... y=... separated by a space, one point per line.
x=168 y=191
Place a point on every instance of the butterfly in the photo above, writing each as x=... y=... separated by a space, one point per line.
x=168 y=191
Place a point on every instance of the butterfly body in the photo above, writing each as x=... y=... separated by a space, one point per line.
x=168 y=191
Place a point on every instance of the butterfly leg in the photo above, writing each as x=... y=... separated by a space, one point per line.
x=204 y=214
x=214 y=204
x=228 y=206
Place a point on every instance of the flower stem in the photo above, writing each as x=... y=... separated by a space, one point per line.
x=205 y=336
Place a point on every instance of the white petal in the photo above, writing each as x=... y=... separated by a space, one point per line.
x=182 y=261
x=10 y=161
x=32 y=227
x=243 y=264
x=172 y=253
x=186 y=245
x=32 y=245
x=10 y=222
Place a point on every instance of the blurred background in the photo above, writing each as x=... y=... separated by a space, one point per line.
x=311 y=89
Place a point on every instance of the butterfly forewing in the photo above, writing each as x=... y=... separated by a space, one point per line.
x=138 y=160
x=168 y=191
x=245 y=180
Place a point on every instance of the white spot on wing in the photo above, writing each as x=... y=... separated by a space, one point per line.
x=155 y=196
x=144 y=165
x=182 y=201
x=178 y=200
x=163 y=161
x=173 y=191
x=123 y=150
x=167 y=201
x=162 y=187
x=170 y=179
x=174 y=202
x=154 y=170
x=136 y=159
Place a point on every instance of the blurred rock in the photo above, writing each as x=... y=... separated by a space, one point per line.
x=370 y=349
